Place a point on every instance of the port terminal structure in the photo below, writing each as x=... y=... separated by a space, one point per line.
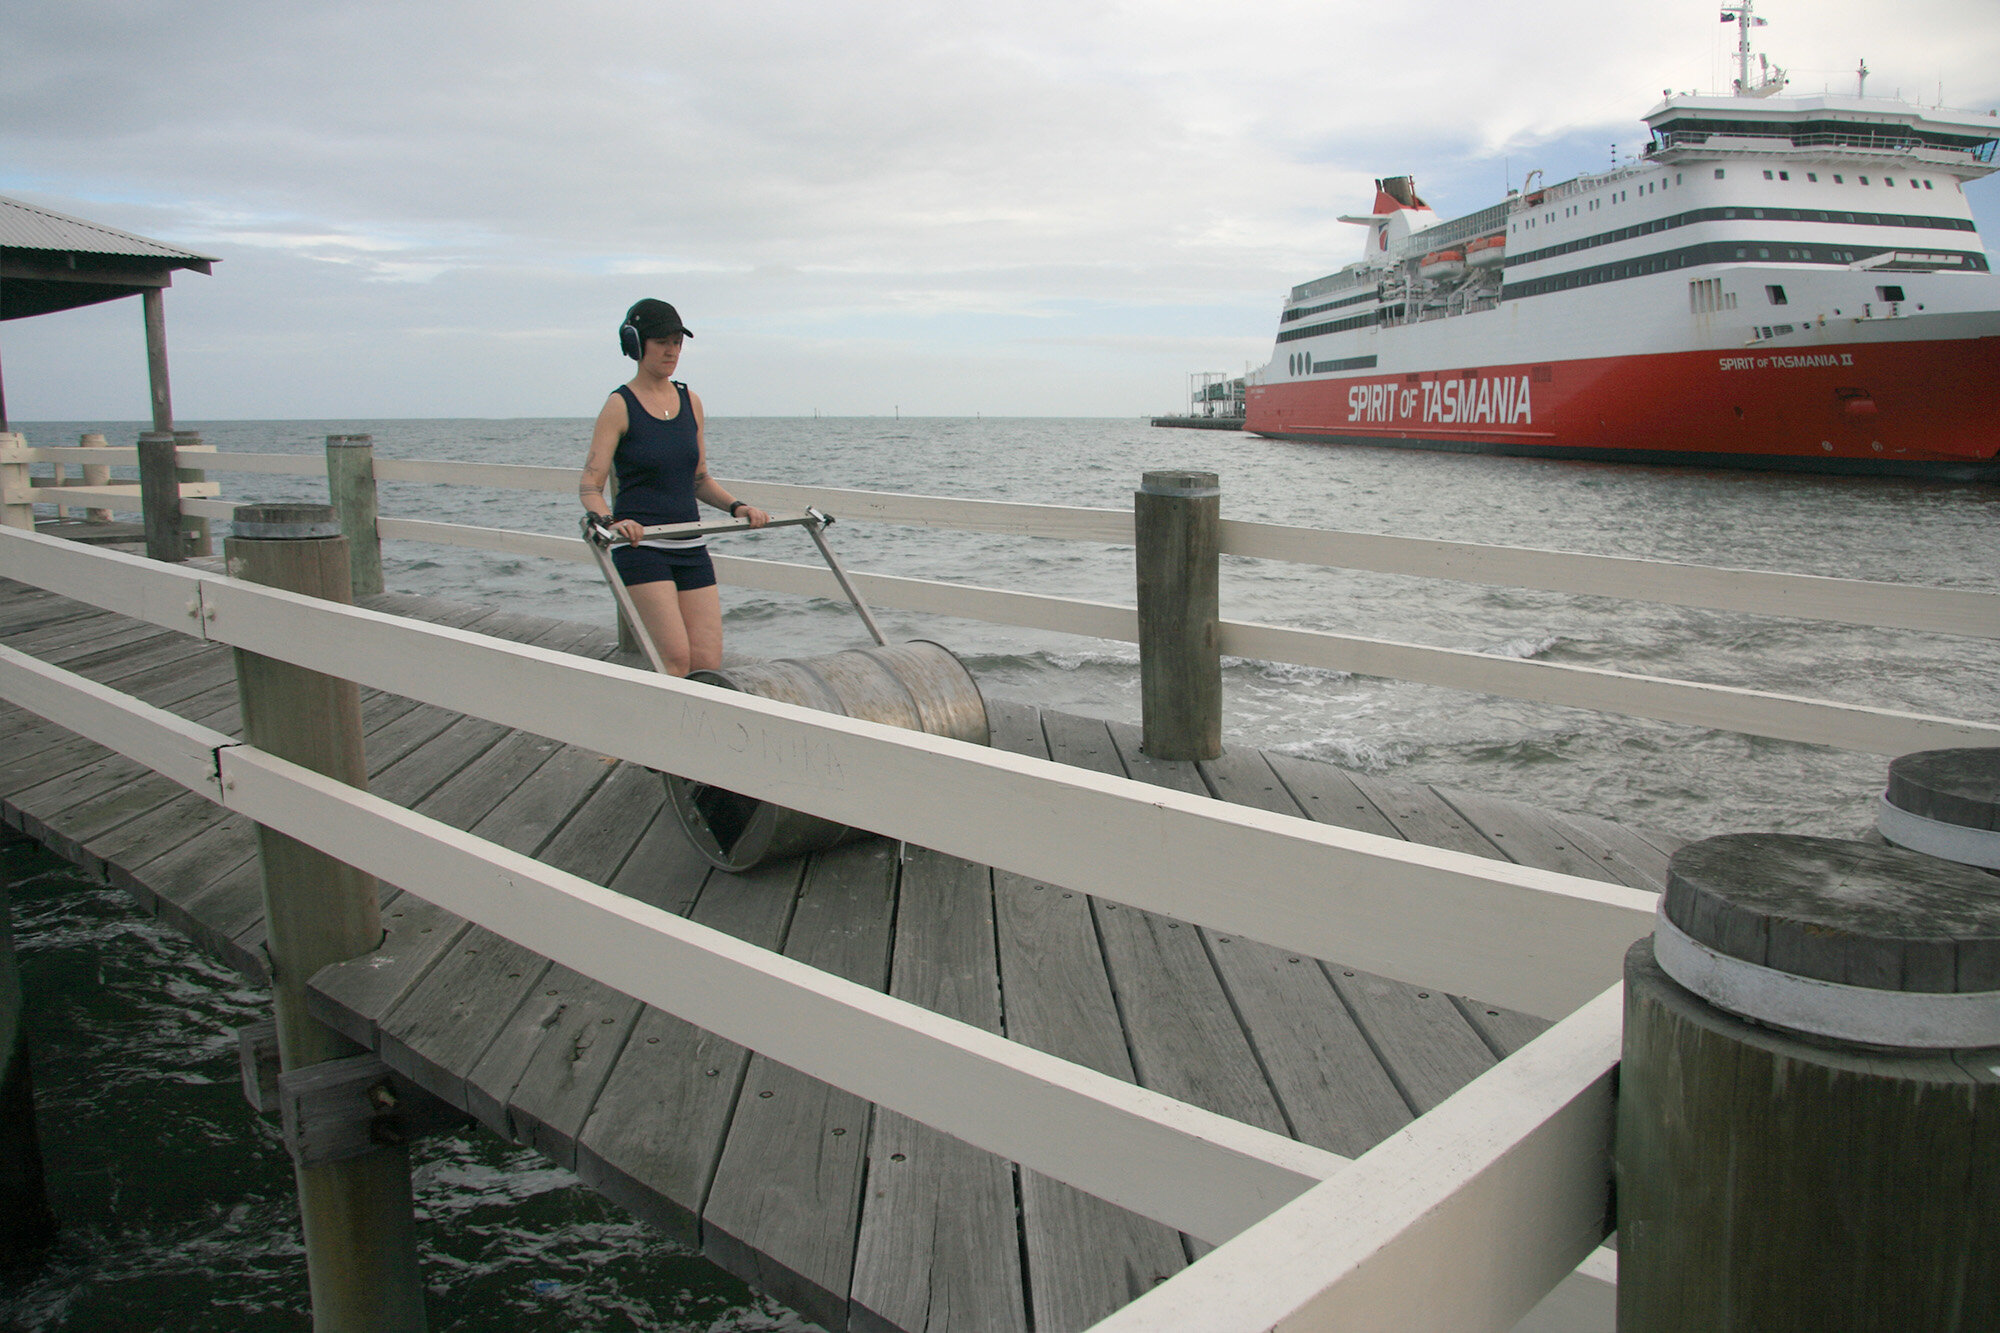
x=1215 y=402
x=1051 y=994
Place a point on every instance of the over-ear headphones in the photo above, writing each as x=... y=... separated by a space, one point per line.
x=629 y=341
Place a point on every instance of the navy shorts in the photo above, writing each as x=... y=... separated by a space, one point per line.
x=689 y=569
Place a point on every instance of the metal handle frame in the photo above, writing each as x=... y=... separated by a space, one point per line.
x=813 y=520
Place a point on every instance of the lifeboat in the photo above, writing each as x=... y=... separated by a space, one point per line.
x=1443 y=265
x=1486 y=252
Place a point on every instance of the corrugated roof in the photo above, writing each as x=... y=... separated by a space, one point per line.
x=26 y=227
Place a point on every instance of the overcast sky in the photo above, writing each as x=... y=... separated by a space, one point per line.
x=442 y=209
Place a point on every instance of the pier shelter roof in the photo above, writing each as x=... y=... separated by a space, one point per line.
x=50 y=261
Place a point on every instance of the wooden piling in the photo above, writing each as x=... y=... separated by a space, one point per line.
x=1945 y=803
x=359 y=1232
x=1808 y=1092
x=350 y=485
x=160 y=497
x=153 y=301
x=195 y=538
x=16 y=511
x=1177 y=517
x=95 y=474
x=26 y=1221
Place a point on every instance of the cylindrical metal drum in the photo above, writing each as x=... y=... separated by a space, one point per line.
x=918 y=685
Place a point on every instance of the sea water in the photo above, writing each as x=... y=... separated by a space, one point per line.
x=177 y=1200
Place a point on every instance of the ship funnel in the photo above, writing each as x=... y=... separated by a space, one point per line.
x=1394 y=192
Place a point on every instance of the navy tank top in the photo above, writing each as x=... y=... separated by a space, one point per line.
x=655 y=464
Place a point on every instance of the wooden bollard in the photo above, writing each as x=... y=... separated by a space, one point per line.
x=359 y=1235
x=1177 y=519
x=26 y=1220
x=1809 y=1093
x=350 y=485
x=95 y=474
x=16 y=510
x=1945 y=803
x=160 y=496
x=194 y=528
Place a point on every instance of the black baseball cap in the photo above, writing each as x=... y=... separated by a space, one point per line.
x=656 y=319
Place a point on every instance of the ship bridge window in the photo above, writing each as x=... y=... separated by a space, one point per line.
x=1776 y=293
x=1862 y=179
x=1839 y=180
x=1887 y=180
x=1784 y=175
x=1767 y=175
x=1812 y=175
x=1718 y=173
x=1927 y=185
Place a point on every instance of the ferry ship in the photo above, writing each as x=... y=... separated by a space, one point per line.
x=1778 y=282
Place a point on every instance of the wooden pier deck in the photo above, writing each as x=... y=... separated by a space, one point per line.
x=853 y=1215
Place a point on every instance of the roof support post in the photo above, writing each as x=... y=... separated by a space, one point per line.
x=154 y=300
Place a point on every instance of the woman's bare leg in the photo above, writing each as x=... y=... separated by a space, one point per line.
x=659 y=606
x=701 y=616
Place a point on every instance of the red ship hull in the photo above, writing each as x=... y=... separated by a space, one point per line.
x=1917 y=408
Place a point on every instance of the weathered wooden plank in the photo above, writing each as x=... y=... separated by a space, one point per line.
x=1081 y=742
x=178 y=873
x=544 y=798
x=1421 y=815
x=1425 y=1043
x=559 y=1084
x=1335 y=1090
x=1177 y=774
x=939 y=1247
x=1639 y=861
x=1328 y=795
x=785 y=1204
x=1085 y=1257
x=1525 y=835
x=1179 y=1024
x=598 y=837
x=1504 y=1030
x=653 y=1138
x=1184 y=1034
x=416 y=776
x=476 y=790
x=438 y=1030
x=221 y=910
x=489 y=1083
x=353 y=996
x=664 y=869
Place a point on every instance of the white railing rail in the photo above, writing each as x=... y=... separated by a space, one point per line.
x=1747 y=711
x=1529 y=939
x=1538 y=1157
x=1761 y=592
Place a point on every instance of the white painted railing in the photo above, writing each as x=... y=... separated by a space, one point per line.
x=1752 y=712
x=1528 y=1142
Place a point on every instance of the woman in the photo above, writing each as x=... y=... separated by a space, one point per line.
x=653 y=431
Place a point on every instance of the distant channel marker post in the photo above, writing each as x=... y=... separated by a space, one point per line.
x=361 y=1257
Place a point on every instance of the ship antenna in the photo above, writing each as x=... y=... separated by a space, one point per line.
x=1861 y=78
x=1743 y=13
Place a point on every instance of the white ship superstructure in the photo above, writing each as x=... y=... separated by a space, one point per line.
x=1775 y=281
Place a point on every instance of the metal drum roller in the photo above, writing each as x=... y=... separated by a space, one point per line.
x=921 y=686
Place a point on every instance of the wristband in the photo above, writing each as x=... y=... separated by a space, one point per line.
x=735 y=505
